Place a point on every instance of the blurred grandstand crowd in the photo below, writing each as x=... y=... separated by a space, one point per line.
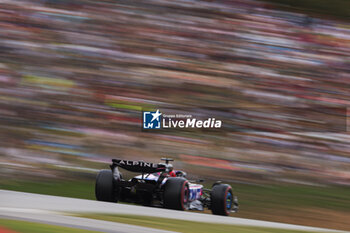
x=75 y=76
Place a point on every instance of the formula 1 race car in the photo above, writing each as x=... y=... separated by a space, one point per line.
x=160 y=185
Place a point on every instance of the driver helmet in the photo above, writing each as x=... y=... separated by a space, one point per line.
x=171 y=170
x=170 y=167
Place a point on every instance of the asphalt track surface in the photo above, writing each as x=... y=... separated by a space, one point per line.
x=54 y=209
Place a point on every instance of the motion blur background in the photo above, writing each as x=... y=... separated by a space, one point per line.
x=75 y=76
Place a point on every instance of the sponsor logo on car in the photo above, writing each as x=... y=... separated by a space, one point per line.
x=195 y=192
x=136 y=163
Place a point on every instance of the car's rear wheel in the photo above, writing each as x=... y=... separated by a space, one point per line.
x=176 y=194
x=104 y=188
x=222 y=199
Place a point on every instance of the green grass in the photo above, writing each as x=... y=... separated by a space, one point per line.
x=72 y=188
x=30 y=227
x=184 y=226
x=250 y=197
x=274 y=196
x=296 y=204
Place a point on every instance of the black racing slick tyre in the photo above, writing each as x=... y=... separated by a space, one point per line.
x=222 y=199
x=104 y=188
x=176 y=194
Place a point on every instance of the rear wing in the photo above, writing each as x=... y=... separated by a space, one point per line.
x=138 y=166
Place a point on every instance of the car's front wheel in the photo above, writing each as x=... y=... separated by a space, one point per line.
x=222 y=199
